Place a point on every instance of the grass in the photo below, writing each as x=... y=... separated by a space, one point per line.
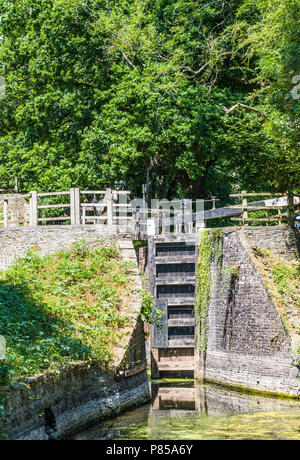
x=61 y=308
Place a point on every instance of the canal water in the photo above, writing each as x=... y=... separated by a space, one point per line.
x=187 y=410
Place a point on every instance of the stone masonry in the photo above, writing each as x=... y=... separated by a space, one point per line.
x=46 y=240
x=280 y=239
x=56 y=405
x=247 y=345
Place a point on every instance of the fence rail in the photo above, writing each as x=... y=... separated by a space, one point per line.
x=281 y=217
x=72 y=207
x=113 y=209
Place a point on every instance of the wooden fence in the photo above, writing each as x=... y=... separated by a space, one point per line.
x=72 y=207
x=112 y=208
x=178 y=216
x=275 y=213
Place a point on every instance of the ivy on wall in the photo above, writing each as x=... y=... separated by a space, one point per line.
x=210 y=248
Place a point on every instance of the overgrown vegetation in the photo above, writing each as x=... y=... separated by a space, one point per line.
x=150 y=313
x=210 y=245
x=282 y=277
x=65 y=307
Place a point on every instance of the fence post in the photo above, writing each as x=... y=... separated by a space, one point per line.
x=244 y=206
x=200 y=225
x=109 y=202
x=5 y=213
x=213 y=199
x=34 y=209
x=137 y=223
x=267 y=217
x=72 y=205
x=189 y=208
x=151 y=228
x=291 y=209
x=77 y=205
x=182 y=215
x=280 y=216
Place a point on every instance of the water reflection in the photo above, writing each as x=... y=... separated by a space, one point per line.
x=166 y=397
x=188 y=410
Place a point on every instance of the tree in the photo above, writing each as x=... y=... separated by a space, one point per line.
x=99 y=92
x=56 y=70
x=269 y=35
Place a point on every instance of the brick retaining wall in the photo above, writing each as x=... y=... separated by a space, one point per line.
x=53 y=406
x=247 y=345
x=16 y=242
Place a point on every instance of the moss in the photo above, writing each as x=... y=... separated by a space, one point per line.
x=284 y=324
x=172 y=380
x=281 y=275
x=4 y=394
x=252 y=391
x=210 y=248
x=140 y=244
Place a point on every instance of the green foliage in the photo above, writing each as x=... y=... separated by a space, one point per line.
x=285 y=276
x=150 y=313
x=217 y=245
x=267 y=33
x=203 y=283
x=284 y=325
x=61 y=308
x=210 y=246
x=281 y=275
x=297 y=359
x=232 y=271
x=100 y=91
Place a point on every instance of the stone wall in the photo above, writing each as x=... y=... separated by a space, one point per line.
x=280 y=238
x=16 y=242
x=247 y=345
x=18 y=207
x=55 y=405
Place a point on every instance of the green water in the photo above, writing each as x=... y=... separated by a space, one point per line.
x=184 y=411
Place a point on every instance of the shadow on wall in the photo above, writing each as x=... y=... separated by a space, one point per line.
x=35 y=338
x=135 y=354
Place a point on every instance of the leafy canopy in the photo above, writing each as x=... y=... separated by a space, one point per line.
x=98 y=92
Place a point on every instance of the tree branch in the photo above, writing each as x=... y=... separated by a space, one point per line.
x=246 y=107
x=196 y=72
x=128 y=60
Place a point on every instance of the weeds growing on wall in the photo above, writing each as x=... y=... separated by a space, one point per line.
x=282 y=278
x=210 y=247
x=150 y=313
x=65 y=307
